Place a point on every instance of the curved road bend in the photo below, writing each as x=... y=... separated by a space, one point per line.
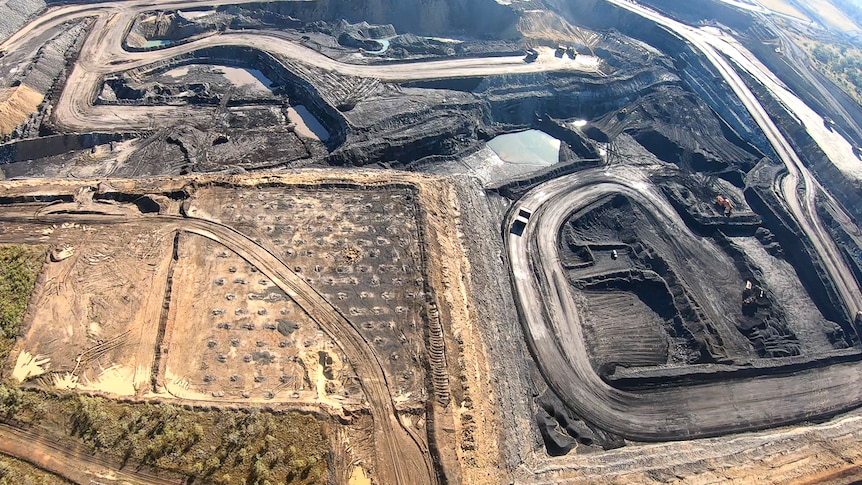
x=553 y=329
x=103 y=54
x=804 y=211
x=402 y=455
x=71 y=463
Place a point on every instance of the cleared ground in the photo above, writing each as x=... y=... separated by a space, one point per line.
x=363 y=299
x=307 y=292
x=232 y=335
x=96 y=312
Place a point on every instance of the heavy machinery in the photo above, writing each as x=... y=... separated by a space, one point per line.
x=532 y=55
x=724 y=202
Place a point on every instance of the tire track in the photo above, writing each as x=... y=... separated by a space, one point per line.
x=553 y=328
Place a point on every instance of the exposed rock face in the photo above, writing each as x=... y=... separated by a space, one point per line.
x=362 y=30
x=21 y=104
x=673 y=135
x=172 y=26
x=476 y=18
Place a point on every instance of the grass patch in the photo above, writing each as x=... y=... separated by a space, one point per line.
x=217 y=446
x=842 y=64
x=19 y=267
x=14 y=471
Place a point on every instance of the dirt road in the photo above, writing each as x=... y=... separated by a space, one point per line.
x=554 y=330
x=804 y=211
x=555 y=333
x=103 y=54
x=402 y=456
x=71 y=463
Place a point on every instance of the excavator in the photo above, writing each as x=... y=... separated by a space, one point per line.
x=726 y=203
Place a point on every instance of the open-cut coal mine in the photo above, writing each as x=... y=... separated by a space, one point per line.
x=438 y=242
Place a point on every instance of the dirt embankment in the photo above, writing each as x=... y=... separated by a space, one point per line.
x=696 y=72
x=21 y=107
x=160 y=26
x=16 y=105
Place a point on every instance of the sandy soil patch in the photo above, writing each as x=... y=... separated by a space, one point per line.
x=250 y=79
x=94 y=314
x=306 y=124
x=16 y=105
x=358 y=477
x=178 y=71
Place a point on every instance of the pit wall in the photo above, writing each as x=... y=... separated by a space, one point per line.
x=474 y=18
x=15 y=13
x=851 y=251
x=814 y=278
x=843 y=188
x=180 y=41
x=640 y=380
x=517 y=188
x=49 y=146
x=697 y=73
x=762 y=41
x=735 y=225
x=298 y=89
x=561 y=96
x=850 y=128
x=153 y=30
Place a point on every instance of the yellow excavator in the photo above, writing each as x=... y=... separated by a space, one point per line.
x=726 y=203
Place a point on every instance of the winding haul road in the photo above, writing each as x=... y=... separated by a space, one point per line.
x=552 y=322
x=103 y=54
x=402 y=456
x=797 y=174
x=554 y=329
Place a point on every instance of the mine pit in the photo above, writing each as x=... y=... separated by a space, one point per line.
x=458 y=242
x=746 y=322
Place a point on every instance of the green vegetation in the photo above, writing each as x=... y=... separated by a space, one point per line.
x=852 y=8
x=17 y=472
x=19 y=266
x=224 y=447
x=841 y=64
